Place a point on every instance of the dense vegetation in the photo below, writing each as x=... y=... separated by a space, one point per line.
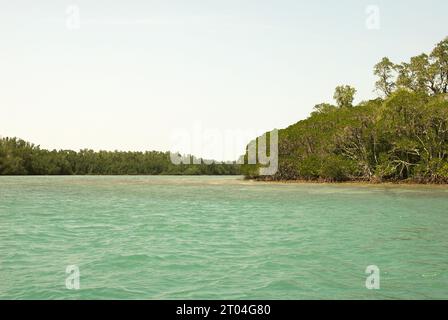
x=18 y=157
x=401 y=136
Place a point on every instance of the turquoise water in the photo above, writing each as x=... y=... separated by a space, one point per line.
x=219 y=238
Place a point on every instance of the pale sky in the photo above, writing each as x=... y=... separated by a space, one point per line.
x=136 y=72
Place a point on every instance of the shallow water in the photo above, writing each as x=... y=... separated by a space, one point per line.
x=219 y=238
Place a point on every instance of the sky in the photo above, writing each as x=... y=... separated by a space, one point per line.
x=137 y=75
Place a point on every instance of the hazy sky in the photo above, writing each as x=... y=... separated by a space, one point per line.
x=134 y=71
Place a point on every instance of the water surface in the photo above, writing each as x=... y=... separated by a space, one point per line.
x=219 y=238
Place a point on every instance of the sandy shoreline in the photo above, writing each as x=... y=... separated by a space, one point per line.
x=352 y=183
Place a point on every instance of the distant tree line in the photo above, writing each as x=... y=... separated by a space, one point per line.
x=18 y=157
x=401 y=136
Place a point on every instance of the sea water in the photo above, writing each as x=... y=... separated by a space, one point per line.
x=165 y=237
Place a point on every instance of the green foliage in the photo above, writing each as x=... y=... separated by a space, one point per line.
x=337 y=168
x=323 y=108
x=425 y=73
x=403 y=137
x=18 y=157
x=344 y=96
x=385 y=70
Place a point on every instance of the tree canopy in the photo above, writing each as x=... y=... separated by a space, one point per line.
x=425 y=73
x=400 y=136
x=18 y=157
x=344 y=96
x=384 y=70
